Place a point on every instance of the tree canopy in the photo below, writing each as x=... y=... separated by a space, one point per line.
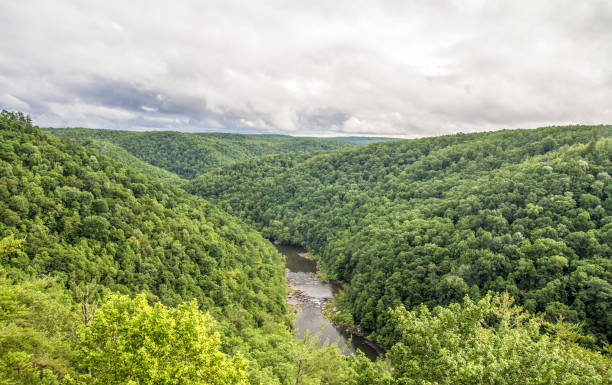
x=111 y=274
x=431 y=220
x=104 y=266
x=191 y=154
x=488 y=342
x=132 y=342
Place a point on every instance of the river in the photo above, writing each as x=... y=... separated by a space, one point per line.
x=301 y=276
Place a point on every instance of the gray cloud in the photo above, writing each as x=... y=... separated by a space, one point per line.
x=401 y=68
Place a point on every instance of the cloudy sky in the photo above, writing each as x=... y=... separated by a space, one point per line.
x=317 y=67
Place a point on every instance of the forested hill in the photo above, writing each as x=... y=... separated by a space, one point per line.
x=87 y=219
x=110 y=276
x=432 y=220
x=191 y=154
x=120 y=155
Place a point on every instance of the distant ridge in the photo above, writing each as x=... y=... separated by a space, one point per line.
x=191 y=154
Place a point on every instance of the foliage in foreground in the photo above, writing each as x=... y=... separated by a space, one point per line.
x=47 y=339
x=127 y=341
x=130 y=341
x=491 y=341
x=36 y=327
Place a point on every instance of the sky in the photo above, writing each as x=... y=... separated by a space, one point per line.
x=312 y=68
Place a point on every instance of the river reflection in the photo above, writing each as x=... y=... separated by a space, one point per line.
x=301 y=276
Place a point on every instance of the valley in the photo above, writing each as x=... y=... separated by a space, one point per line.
x=462 y=256
x=305 y=192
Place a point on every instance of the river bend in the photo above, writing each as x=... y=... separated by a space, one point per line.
x=301 y=275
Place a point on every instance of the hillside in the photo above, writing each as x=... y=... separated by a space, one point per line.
x=89 y=220
x=189 y=155
x=82 y=212
x=120 y=155
x=432 y=220
x=109 y=275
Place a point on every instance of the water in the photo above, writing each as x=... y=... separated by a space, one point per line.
x=301 y=276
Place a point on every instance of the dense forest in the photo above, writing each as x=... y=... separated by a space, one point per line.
x=78 y=226
x=111 y=275
x=191 y=154
x=121 y=155
x=430 y=221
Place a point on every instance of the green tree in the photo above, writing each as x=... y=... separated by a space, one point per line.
x=37 y=320
x=131 y=342
x=95 y=227
x=488 y=342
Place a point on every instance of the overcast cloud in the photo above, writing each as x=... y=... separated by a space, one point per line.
x=317 y=67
